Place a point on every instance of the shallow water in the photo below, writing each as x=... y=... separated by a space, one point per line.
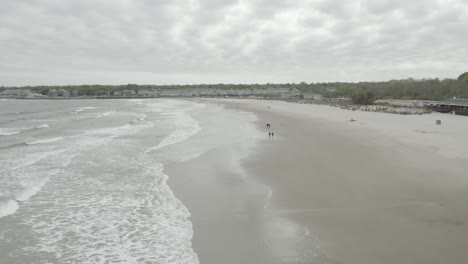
x=82 y=181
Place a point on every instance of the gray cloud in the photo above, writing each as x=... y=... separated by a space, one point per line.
x=243 y=41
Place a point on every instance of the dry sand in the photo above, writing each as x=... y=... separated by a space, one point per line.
x=384 y=189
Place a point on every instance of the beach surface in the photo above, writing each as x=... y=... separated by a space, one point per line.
x=201 y=181
x=382 y=189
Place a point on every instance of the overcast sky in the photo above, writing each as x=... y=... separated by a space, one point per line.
x=226 y=41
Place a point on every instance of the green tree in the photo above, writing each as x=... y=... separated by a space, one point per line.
x=363 y=98
x=463 y=77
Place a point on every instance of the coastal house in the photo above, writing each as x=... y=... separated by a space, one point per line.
x=147 y=93
x=58 y=93
x=16 y=93
x=191 y=92
x=281 y=92
x=171 y=92
x=403 y=103
x=341 y=98
x=127 y=93
x=453 y=106
x=52 y=93
x=63 y=93
x=312 y=96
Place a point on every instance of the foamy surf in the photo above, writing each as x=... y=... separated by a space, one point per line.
x=89 y=193
x=118 y=222
x=44 y=141
x=186 y=127
x=106 y=113
x=30 y=189
x=81 y=109
x=42 y=126
x=8 y=208
x=10 y=131
x=18 y=130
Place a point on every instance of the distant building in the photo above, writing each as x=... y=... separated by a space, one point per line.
x=341 y=99
x=403 y=103
x=171 y=92
x=191 y=92
x=16 y=93
x=127 y=93
x=312 y=96
x=53 y=93
x=453 y=106
x=276 y=92
x=63 y=93
x=58 y=93
x=149 y=93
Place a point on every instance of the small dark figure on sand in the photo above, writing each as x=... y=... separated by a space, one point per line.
x=268 y=125
x=269 y=134
x=272 y=134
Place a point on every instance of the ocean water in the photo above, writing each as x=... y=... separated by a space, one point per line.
x=82 y=181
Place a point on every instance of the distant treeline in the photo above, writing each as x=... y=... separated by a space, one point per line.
x=409 y=89
x=361 y=92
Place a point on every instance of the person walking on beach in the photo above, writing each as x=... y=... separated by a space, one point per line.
x=269 y=134
x=272 y=134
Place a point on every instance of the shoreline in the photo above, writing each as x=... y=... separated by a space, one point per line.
x=362 y=189
x=381 y=189
x=357 y=191
x=389 y=109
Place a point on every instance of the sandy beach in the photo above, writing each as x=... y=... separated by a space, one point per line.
x=383 y=189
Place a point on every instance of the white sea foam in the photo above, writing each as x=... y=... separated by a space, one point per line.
x=85 y=108
x=186 y=127
x=30 y=176
x=42 y=126
x=8 y=208
x=104 y=202
x=60 y=157
x=290 y=241
x=30 y=189
x=16 y=130
x=106 y=113
x=81 y=109
x=114 y=132
x=139 y=119
x=10 y=131
x=30 y=159
x=124 y=219
x=43 y=141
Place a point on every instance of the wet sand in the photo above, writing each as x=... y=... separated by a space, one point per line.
x=360 y=196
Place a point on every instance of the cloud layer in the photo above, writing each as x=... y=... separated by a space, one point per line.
x=244 y=41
